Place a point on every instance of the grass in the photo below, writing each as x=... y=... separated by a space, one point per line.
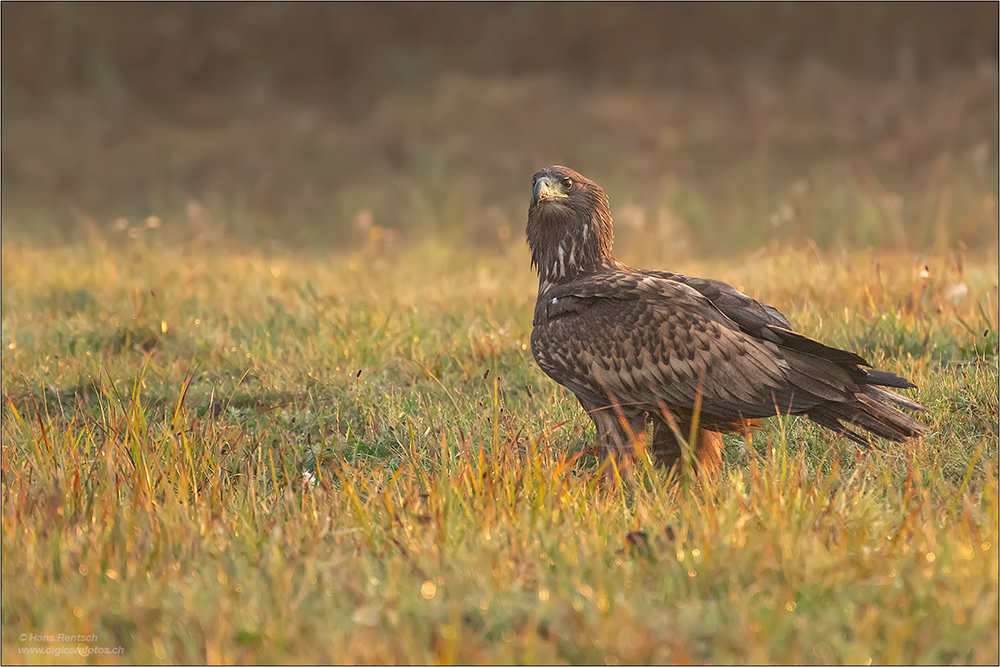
x=211 y=455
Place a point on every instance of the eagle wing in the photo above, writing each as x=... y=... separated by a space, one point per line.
x=753 y=316
x=645 y=341
x=767 y=323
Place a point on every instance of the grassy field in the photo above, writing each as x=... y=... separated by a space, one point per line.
x=215 y=455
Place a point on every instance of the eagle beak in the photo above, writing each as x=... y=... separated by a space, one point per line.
x=546 y=189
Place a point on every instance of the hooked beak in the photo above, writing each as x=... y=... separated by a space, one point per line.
x=546 y=189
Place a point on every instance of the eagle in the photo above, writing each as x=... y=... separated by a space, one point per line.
x=649 y=354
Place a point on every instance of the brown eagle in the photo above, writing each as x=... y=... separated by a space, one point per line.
x=638 y=346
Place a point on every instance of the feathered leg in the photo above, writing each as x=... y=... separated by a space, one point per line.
x=618 y=437
x=667 y=452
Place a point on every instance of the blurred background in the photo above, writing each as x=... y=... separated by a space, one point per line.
x=715 y=128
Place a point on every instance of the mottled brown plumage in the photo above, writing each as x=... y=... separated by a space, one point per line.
x=639 y=346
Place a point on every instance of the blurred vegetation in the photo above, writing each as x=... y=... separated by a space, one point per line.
x=158 y=53
x=716 y=127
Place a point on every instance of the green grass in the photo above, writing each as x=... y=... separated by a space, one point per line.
x=227 y=457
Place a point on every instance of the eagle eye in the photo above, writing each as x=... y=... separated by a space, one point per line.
x=567 y=183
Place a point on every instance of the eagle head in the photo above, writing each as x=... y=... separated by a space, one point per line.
x=569 y=227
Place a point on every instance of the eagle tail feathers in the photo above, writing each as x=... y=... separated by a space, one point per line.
x=870 y=413
x=830 y=422
x=887 y=379
x=885 y=395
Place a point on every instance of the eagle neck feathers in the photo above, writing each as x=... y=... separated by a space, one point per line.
x=570 y=240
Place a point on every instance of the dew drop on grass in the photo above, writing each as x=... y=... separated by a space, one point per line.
x=428 y=590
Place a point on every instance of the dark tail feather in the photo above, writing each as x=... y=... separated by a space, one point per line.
x=832 y=423
x=884 y=395
x=848 y=395
x=870 y=413
x=887 y=379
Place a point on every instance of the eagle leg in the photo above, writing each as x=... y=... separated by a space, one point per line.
x=667 y=452
x=619 y=435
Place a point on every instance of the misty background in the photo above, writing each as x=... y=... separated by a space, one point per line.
x=715 y=128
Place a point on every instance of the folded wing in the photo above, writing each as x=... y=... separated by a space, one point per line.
x=646 y=341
